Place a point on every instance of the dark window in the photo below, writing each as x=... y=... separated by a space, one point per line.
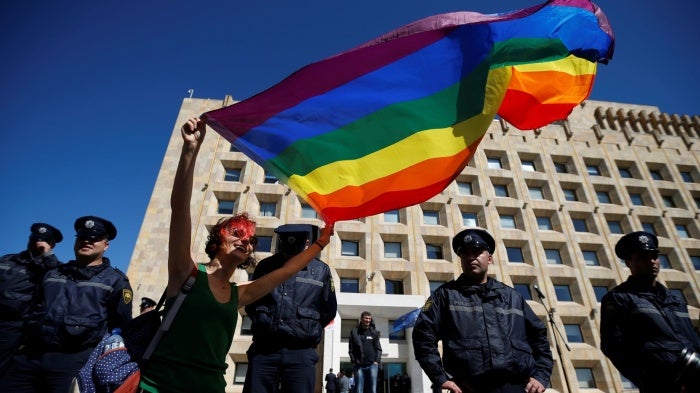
x=349 y=248
x=232 y=174
x=563 y=293
x=523 y=290
x=515 y=255
x=433 y=251
x=599 y=291
x=573 y=333
x=226 y=207
x=394 y=287
x=349 y=285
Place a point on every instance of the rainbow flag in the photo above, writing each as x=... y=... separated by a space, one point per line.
x=392 y=122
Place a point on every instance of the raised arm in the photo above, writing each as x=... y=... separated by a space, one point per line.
x=180 y=260
x=254 y=290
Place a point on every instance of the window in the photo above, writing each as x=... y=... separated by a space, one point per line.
x=664 y=262
x=226 y=207
x=636 y=199
x=515 y=255
x=560 y=167
x=649 y=227
x=544 y=224
x=695 y=259
x=346 y=326
x=232 y=174
x=494 y=163
x=536 y=192
x=392 y=250
x=431 y=217
x=270 y=178
x=246 y=324
x=241 y=371
x=434 y=285
x=570 y=194
x=307 y=211
x=563 y=293
x=349 y=248
x=553 y=256
x=625 y=173
x=687 y=177
x=400 y=335
x=394 y=287
x=668 y=201
x=603 y=197
x=682 y=230
x=655 y=174
x=464 y=188
x=523 y=290
x=508 y=221
x=615 y=227
x=433 y=252
x=349 y=285
x=697 y=201
x=593 y=170
x=528 y=166
x=500 y=190
x=585 y=379
x=599 y=292
x=470 y=219
x=591 y=258
x=573 y=333
x=580 y=224
x=268 y=209
x=391 y=216
x=264 y=244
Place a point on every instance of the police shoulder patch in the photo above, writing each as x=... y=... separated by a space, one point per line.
x=127 y=295
x=428 y=304
x=332 y=284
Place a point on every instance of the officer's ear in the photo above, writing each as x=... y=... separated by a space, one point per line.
x=106 y=244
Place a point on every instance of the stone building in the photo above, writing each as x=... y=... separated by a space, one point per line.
x=556 y=199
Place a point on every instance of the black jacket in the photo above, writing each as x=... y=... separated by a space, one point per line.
x=488 y=333
x=643 y=330
x=20 y=276
x=358 y=336
x=294 y=314
x=79 y=305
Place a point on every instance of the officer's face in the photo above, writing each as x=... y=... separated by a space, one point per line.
x=38 y=246
x=87 y=249
x=475 y=263
x=644 y=264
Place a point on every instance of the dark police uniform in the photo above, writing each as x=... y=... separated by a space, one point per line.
x=20 y=275
x=288 y=323
x=491 y=338
x=644 y=328
x=78 y=306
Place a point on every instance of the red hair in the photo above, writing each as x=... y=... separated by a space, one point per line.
x=239 y=225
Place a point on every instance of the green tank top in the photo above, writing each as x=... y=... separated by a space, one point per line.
x=191 y=355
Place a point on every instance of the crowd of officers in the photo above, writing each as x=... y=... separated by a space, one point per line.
x=52 y=315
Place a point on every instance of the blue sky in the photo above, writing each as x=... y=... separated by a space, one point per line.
x=91 y=89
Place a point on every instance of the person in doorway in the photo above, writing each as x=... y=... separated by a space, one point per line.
x=365 y=352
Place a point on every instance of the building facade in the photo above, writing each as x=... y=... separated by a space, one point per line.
x=556 y=200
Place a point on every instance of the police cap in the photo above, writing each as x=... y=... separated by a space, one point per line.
x=45 y=232
x=636 y=241
x=473 y=238
x=292 y=237
x=147 y=302
x=92 y=227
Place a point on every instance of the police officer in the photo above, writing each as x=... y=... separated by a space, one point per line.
x=147 y=304
x=645 y=330
x=288 y=323
x=492 y=340
x=20 y=275
x=81 y=301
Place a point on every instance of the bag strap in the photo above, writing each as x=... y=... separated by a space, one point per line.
x=170 y=315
